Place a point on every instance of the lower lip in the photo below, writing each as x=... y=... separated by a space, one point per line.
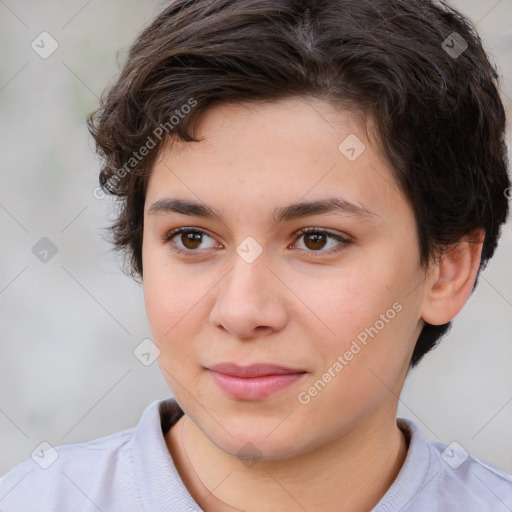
x=254 y=388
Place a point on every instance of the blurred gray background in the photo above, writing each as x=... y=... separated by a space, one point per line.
x=69 y=325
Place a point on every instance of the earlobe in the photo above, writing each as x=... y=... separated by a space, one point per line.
x=451 y=279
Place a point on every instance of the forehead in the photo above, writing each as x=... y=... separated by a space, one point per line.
x=254 y=156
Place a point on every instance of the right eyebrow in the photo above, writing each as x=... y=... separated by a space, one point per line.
x=183 y=206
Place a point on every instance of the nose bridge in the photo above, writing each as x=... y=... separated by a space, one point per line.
x=248 y=296
x=249 y=278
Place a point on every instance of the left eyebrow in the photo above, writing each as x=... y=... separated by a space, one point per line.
x=332 y=205
x=282 y=214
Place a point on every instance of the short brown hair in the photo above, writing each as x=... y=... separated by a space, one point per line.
x=440 y=121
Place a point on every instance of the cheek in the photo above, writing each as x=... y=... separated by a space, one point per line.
x=370 y=320
x=176 y=302
x=353 y=299
x=170 y=291
x=363 y=362
x=173 y=306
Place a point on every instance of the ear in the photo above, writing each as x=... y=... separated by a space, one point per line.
x=451 y=279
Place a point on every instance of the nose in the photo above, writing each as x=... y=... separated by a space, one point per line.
x=250 y=300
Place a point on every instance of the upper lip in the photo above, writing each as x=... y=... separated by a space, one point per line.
x=253 y=370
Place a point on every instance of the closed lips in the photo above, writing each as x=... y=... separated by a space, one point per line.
x=256 y=370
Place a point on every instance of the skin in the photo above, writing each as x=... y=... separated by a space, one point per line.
x=297 y=304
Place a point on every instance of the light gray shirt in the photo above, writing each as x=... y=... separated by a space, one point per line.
x=132 y=471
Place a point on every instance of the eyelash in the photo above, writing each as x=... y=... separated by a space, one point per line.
x=189 y=252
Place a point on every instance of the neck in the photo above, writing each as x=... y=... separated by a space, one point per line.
x=353 y=472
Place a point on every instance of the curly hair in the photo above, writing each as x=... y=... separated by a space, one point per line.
x=416 y=68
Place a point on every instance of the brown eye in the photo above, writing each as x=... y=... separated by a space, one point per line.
x=316 y=239
x=191 y=240
x=187 y=240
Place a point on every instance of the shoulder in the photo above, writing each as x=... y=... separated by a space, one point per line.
x=60 y=477
x=462 y=474
x=439 y=477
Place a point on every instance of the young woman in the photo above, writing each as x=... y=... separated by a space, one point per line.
x=309 y=190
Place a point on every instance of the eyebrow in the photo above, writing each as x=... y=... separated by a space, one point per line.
x=281 y=214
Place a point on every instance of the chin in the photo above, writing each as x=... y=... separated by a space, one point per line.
x=254 y=441
x=254 y=450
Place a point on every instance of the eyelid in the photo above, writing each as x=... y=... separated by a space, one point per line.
x=184 y=229
x=171 y=234
x=335 y=234
x=343 y=240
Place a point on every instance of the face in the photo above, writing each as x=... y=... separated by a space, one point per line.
x=339 y=305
